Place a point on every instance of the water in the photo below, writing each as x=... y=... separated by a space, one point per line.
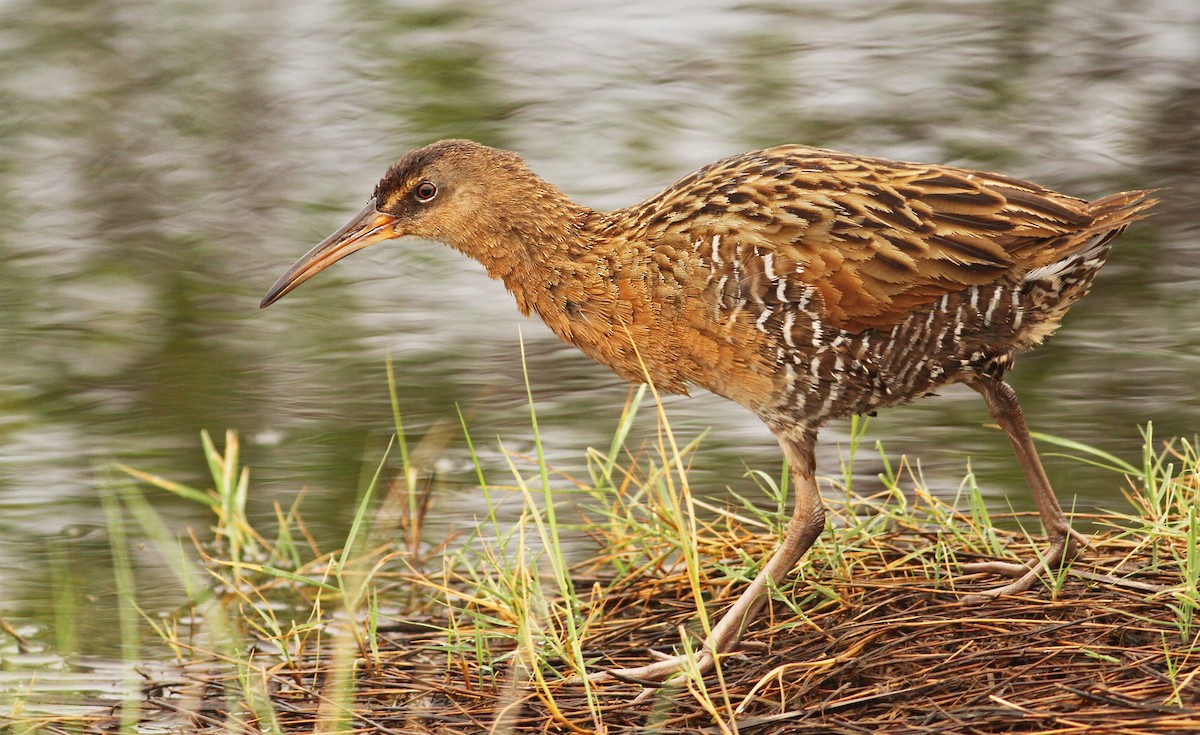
x=162 y=163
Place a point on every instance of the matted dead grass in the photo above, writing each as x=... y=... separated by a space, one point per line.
x=881 y=648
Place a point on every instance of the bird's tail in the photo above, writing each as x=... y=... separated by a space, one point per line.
x=1052 y=288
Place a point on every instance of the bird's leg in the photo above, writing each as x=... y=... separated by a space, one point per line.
x=806 y=524
x=1065 y=542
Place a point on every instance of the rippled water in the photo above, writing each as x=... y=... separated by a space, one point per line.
x=162 y=163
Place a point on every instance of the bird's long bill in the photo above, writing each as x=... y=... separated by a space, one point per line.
x=367 y=228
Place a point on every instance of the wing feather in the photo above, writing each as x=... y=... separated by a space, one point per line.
x=873 y=238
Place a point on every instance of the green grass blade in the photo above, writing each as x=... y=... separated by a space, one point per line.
x=1108 y=461
x=175 y=488
x=360 y=515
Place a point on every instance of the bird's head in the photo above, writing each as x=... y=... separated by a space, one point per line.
x=449 y=191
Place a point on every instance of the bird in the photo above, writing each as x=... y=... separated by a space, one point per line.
x=804 y=284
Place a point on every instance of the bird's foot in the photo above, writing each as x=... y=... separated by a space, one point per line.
x=656 y=675
x=1064 y=548
x=659 y=672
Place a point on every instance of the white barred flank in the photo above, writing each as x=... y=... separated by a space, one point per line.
x=844 y=373
x=826 y=370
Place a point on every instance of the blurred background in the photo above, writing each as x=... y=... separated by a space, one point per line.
x=161 y=163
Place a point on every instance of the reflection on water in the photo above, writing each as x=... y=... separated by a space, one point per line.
x=162 y=163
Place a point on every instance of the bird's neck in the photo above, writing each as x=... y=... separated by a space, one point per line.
x=591 y=286
x=541 y=240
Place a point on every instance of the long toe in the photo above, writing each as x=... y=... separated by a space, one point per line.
x=1065 y=547
x=658 y=672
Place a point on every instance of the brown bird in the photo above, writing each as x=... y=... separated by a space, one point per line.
x=804 y=284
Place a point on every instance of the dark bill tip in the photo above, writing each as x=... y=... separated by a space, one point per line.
x=367 y=228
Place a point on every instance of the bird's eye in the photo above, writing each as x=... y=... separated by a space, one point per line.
x=425 y=191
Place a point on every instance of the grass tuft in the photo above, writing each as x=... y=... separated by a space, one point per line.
x=395 y=632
